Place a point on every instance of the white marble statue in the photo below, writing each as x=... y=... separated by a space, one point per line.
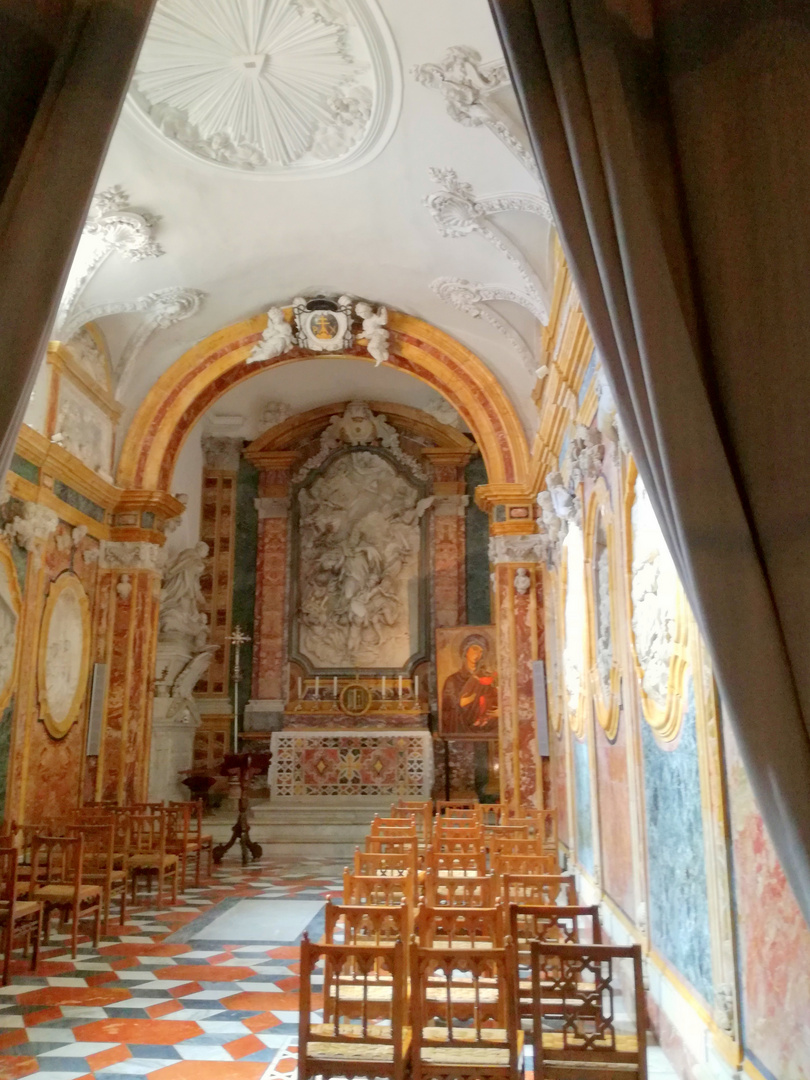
x=375 y=330
x=181 y=598
x=276 y=339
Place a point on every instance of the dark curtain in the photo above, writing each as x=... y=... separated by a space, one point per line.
x=674 y=142
x=64 y=70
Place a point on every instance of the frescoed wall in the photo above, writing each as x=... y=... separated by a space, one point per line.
x=773 y=940
x=614 y=815
x=679 y=912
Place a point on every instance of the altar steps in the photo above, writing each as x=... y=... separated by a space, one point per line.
x=326 y=834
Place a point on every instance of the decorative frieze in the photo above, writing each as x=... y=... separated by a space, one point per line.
x=131 y=555
x=272 y=506
x=523 y=548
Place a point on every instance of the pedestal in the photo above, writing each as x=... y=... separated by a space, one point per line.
x=172 y=752
x=333 y=766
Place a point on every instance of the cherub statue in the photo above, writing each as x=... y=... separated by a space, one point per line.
x=276 y=339
x=374 y=330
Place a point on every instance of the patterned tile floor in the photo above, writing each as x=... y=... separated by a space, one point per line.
x=158 y=1000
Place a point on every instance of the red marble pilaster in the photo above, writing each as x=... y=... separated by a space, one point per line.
x=271 y=573
x=449 y=560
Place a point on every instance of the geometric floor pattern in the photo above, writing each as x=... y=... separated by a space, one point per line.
x=158 y=1000
x=147 y=1004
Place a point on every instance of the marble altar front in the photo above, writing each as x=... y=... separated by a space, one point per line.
x=373 y=766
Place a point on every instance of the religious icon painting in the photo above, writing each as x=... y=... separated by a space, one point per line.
x=468 y=682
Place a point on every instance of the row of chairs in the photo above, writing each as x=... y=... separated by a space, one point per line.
x=82 y=865
x=433 y=967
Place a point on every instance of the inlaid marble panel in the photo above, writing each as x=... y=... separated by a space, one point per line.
x=773 y=939
x=582 y=804
x=614 y=815
x=679 y=908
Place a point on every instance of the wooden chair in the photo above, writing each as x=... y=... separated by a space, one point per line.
x=382 y=845
x=575 y=1023
x=366 y=924
x=457 y=808
x=465 y=927
x=519 y=845
x=57 y=882
x=456 y=863
x=460 y=891
x=453 y=832
x=494 y=834
x=371 y=889
x=380 y=824
x=19 y=919
x=524 y=864
x=539 y=889
x=105 y=862
x=385 y=863
x=489 y=813
x=423 y=816
x=190 y=842
x=486 y=1041
x=461 y=845
x=555 y=923
x=148 y=855
x=368 y=1037
x=547 y=828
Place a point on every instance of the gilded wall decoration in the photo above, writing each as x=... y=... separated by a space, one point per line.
x=64 y=654
x=659 y=626
x=360 y=598
x=10 y=604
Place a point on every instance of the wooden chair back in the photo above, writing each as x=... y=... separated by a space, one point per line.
x=371 y=889
x=456 y=863
x=99 y=845
x=453 y=831
x=480 y=891
x=495 y=833
x=421 y=814
x=366 y=924
x=367 y=1027
x=489 y=813
x=527 y=863
x=381 y=845
x=9 y=861
x=379 y=825
x=555 y=922
x=539 y=889
x=460 y=846
x=464 y=927
x=466 y=1042
x=547 y=828
x=57 y=860
x=385 y=863
x=576 y=1025
x=467 y=808
x=518 y=845
x=147 y=833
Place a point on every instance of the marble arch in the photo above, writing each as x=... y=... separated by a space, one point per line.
x=213 y=366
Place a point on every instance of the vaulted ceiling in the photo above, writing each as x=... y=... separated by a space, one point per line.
x=277 y=148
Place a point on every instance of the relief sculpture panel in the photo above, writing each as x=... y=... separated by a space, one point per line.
x=358 y=573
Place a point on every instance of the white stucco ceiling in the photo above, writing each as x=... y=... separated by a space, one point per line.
x=249 y=240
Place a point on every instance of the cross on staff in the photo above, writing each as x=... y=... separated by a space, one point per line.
x=238 y=638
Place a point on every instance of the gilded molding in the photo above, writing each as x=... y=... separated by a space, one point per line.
x=606 y=699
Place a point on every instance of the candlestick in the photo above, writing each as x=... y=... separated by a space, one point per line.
x=383 y=688
x=300 y=684
x=317 y=688
x=334 y=688
x=399 y=687
x=238 y=638
x=416 y=687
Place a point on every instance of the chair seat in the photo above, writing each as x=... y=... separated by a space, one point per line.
x=356 y=1050
x=476 y=1055
x=22 y=909
x=463 y=995
x=376 y=992
x=624 y=1044
x=101 y=876
x=65 y=893
x=151 y=861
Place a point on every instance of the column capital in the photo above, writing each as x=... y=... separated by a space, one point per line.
x=450 y=505
x=528 y=548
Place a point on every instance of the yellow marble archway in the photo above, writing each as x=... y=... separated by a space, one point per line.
x=212 y=367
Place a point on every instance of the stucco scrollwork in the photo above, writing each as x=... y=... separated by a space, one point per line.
x=604 y=675
x=64 y=654
x=33 y=528
x=131 y=555
x=522 y=548
x=657 y=607
x=574 y=655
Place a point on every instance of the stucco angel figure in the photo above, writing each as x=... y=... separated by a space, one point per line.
x=276 y=339
x=374 y=330
x=181 y=598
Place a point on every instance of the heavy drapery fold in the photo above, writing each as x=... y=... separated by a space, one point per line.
x=672 y=140
x=64 y=70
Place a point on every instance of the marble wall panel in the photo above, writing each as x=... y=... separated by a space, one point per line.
x=507 y=702
x=773 y=940
x=678 y=898
x=479 y=608
x=448 y=570
x=268 y=651
x=559 y=785
x=582 y=803
x=614 y=815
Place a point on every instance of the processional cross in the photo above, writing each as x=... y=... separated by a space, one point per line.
x=238 y=638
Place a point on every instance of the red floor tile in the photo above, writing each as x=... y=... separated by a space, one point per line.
x=108 y=1057
x=163 y=1008
x=13 y=1067
x=43 y=1016
x=13 y=1037
x=248 y=1044
x=261 y=1021
x=138 y=1031
x=208 y=1070
x=205 y=973
x=285 y=952
x=73 y=995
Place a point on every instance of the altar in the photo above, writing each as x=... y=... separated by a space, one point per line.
x=374 y=766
